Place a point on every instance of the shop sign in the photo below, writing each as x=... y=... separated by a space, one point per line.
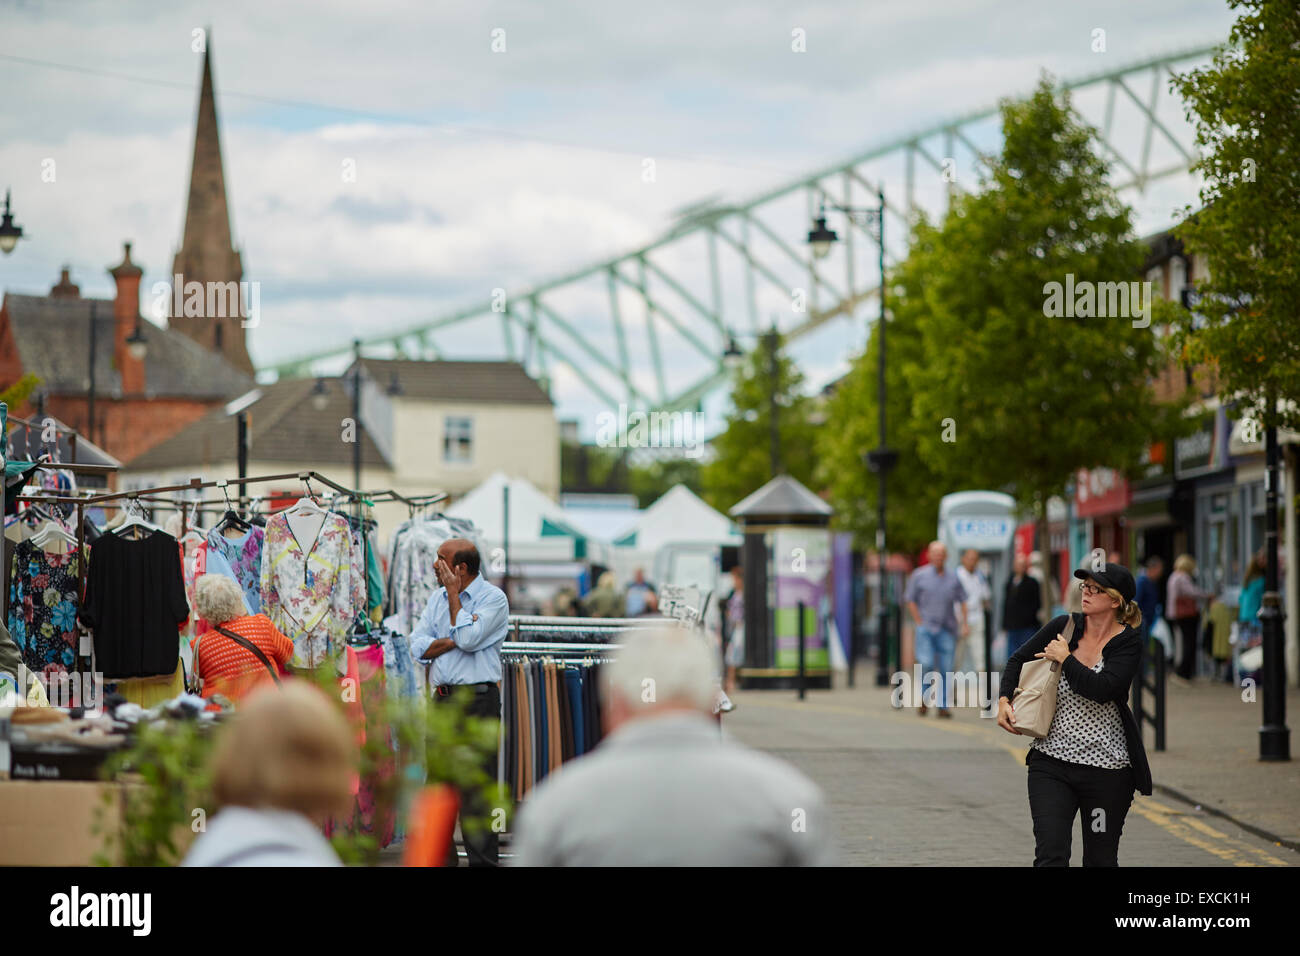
x=1204 y=451
x=1099 y=491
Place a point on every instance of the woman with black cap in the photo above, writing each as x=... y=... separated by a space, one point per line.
x=1092 y=758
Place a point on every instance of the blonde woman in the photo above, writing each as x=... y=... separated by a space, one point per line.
x=1183 y=608
x=1092 y=758
x=281 y=769
x=242 y=650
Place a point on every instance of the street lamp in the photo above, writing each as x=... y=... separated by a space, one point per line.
x=882 y=459
x=732 y=357
x=9 y=233
x=136 y=344
x=320 y=396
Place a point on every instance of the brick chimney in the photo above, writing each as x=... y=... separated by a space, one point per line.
x=66 y=289
x=126 y=318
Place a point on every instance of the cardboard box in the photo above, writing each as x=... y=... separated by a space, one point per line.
x=48 y=823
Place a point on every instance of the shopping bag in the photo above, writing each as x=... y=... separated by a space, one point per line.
x=1160 y=632
x=1034 y=702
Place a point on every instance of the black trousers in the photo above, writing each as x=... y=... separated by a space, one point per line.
x=1059 y=791
x=482 y=848
x=1186 y=628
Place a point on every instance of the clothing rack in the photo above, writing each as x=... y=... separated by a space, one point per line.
x=153 y=495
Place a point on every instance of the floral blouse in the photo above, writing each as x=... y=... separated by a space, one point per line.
x=244 y=555
x=313 y=594
x=43 y=608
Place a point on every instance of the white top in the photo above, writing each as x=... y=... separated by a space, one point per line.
x=1085 y=731
x=243 y=836
x=977 y=593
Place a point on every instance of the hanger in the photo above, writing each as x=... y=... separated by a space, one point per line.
x=194 y=532
x=50 y=531
x=231 y=518
x=306 y=504
x=135 y=518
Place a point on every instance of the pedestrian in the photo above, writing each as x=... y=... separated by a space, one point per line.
x=638 y=595
x=282 y=768
x=665 y=788
x=242 y=650
x=1250 y=631
x=979 y=598
x=734 y=655
x=1148 y=592
x=1182 y=604
x=1092 y=758
x=1020 y=604
x=604 y=599
x=461 y=630
x=932 y=595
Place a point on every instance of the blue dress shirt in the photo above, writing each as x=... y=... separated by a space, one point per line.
x=478 y=633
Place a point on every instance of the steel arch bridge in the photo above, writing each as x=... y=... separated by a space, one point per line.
x=731 y=269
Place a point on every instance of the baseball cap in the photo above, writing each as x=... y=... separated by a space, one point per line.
x=1113 y=576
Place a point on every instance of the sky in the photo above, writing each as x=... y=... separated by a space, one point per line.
x=479 y=168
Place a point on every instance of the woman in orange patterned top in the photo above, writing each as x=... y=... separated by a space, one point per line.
x=223 y=665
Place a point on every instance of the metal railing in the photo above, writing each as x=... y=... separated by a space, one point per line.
x=1153 y=680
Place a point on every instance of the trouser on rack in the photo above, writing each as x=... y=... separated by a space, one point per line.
x=482 y=846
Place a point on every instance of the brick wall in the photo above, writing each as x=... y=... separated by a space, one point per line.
x=130 y=427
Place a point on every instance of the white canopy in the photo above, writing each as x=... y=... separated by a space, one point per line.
x=679 y=516
x=539 y=530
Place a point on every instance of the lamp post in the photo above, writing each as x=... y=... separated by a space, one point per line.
x=882 y=459
x=9 y=233
x=90 y=397
x=356 y=413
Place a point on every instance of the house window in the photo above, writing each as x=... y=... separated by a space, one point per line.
x=458 y=440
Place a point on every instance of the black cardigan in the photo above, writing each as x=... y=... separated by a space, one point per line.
x=1120 y=657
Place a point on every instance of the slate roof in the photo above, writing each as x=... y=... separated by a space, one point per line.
x=53 y=340
x=486 y=382
x=283 y=425
x=781 y=498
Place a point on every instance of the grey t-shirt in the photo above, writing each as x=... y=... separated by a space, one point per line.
x=934 y=595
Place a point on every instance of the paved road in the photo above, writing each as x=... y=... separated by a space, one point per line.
x=918 y=791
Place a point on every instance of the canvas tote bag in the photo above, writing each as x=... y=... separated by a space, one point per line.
x=1034 y=702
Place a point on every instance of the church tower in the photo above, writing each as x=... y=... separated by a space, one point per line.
x=207 y=255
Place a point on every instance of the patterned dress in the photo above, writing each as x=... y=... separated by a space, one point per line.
x=313 y=590
x=43 y=608
x=244 y=555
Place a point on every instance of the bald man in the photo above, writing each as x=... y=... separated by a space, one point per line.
x=461 y=632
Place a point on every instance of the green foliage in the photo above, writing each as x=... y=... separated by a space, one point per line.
x=592 y=468
x=649 y=482
x=852 y=428
x=1247 y=114
x=743 y=450
x=17 y=394
x=169 y=766
x=171 y=762
x=1031 y=398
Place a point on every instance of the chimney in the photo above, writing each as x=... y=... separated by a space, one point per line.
x=126 y=317
x=65 y=289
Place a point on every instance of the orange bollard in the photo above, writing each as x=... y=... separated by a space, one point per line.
x=431 y=826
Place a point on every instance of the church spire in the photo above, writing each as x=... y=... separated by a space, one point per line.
x=207 y=254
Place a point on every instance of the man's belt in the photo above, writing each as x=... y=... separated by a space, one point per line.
x=446 y=690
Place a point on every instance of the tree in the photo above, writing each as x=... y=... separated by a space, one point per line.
x=16 y=394
x=743 y=458
x=1018 y=383
x=852 y=428
x=1246 y=110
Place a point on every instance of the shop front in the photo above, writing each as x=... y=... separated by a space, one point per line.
x=1100 y=497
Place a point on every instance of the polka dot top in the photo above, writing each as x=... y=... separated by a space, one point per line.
x=1085 y=731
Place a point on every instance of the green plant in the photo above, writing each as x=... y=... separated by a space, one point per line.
x=168 y=764
x=165 y=780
